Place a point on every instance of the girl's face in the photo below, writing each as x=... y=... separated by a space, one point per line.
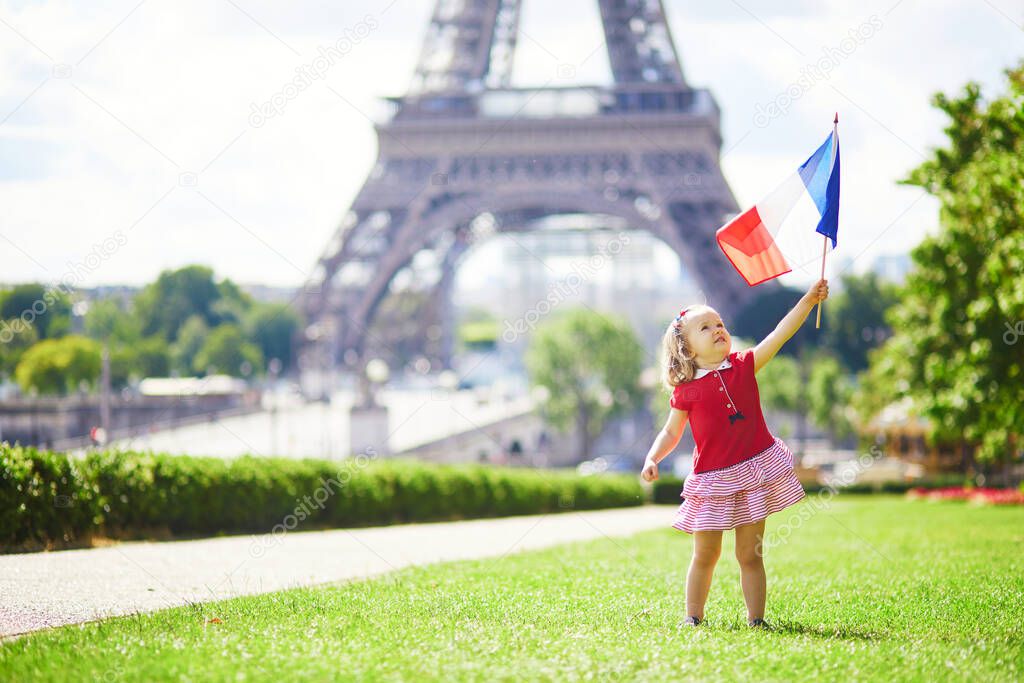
x=708 y=338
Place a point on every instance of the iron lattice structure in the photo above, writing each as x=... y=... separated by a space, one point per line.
x=464 y=153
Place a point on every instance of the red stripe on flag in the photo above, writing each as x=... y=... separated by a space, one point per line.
x=751 y=249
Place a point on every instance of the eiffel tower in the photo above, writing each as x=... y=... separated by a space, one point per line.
x=465 y=155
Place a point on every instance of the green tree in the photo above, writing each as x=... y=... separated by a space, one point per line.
x=165 y=305
x=758 y=318
x=131 y=354
x=122 y=366
x=955 y=351
x=232 y=304
x=153 y=357
x=882 y=382
x=16 y=337
x=227 y=351
x=149 y=357
x=107 y=321
x=55 y=366
x=779 y=384
x=47 y=309
x=191 y=338
x=856 y=319
x=829 y=390
x=272 y=328
x=589 y=365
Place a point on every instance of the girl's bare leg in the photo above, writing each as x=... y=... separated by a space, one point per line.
x=707 y=547
x=752 y=575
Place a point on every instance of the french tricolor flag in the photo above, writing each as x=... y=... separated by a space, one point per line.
x=771 y=237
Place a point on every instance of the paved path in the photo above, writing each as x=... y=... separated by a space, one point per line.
x=38 y=590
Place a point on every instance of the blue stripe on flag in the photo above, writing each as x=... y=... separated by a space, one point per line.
x=829 y=223
x=815 y=174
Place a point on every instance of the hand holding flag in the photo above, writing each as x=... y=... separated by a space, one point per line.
x=817 y=292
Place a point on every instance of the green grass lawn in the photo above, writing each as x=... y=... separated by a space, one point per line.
x=874 y=587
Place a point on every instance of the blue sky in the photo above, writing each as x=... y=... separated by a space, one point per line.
x=126 y=144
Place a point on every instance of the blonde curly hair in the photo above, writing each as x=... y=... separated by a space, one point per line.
x=678 y=364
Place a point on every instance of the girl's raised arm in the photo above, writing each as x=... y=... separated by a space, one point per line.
x=788 y=326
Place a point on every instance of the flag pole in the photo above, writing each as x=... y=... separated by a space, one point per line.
x=824 y=250
x=824 y=246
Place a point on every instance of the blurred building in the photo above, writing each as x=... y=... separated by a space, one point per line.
x=893 y=267
x=902 y=433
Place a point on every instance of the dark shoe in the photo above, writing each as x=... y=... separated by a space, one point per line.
x=692 y=621
x=758 y=623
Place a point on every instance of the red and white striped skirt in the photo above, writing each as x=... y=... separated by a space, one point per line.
x=739 y=494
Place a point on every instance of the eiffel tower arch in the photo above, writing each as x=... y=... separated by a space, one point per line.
x=466 y=155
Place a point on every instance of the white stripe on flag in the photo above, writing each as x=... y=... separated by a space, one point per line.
x=790 y=215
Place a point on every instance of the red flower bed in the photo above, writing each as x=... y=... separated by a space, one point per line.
x=977 y=495
x=998 y=497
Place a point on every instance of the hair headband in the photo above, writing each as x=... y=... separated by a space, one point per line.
x=677 y=323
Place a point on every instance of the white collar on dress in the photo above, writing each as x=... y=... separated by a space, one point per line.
x=703 y=371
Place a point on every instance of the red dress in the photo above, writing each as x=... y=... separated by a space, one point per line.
x=741 y=472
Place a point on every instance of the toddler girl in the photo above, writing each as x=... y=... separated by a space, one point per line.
x=741 y=472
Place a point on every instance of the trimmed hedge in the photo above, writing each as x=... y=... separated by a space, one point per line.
x=667 y=489
x=49 y=499
x=937 y=482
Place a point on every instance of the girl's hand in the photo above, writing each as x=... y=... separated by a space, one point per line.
x=817 y=293
x=650 y=471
